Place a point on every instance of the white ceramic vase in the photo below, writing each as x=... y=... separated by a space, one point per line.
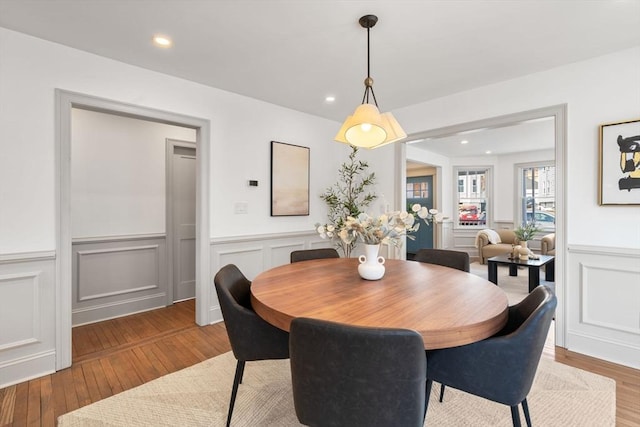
x=524 y=251
x=371 y=265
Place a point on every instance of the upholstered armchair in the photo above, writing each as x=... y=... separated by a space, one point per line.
x=494 y=242
x=548 y=244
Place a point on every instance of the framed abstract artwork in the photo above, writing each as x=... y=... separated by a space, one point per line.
x=289 y=179
x=619 y=182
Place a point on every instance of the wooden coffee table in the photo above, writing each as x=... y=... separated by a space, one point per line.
x=532 y=264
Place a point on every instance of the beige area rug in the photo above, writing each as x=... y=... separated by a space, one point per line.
x=199 y=396
x=516 y=287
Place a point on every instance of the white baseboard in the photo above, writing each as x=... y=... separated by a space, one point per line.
x=27 y=368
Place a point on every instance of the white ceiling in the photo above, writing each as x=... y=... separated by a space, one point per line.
x=532 y=135
x=295 y=52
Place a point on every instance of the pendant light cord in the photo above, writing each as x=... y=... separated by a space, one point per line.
x=369 y=81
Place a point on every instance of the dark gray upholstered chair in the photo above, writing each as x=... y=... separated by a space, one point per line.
x=251 y=337
x=345 y=375
x=500 y=368
x=307 y=254
x=454 y=259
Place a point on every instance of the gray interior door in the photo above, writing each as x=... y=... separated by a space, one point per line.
x=184 y=222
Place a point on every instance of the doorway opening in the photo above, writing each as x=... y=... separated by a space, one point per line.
x=65 y=103
x=556 y=115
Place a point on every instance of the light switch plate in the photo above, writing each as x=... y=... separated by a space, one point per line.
x=241 y=208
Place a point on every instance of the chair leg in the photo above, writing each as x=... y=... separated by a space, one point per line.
x=441 y=392
x=525 y=408
x=515 y=416
x=427 y=395
x=236 y=381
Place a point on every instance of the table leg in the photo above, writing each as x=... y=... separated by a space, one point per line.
x=513 y=270
x=493 y=272
x=550 y=271
x=534 y=278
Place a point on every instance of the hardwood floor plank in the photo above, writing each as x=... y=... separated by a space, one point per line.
x=59 y=402
x=7 y=404
x=110 y=376
x=97 y=373
x=33 y=403
x=147 y=352
x=108 y=332
x=144 y=366
x=80 y=384
x=47 y=412
x=125 y=372
x=20 y=408
x=70 y=396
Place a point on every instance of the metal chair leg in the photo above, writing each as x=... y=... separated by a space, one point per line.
x=441 y=392
x=236 y=381
x=427 y=395
x=525 y=409
x=515 y=416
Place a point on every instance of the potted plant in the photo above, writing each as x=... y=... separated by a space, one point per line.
x=526 y=232
x=349 y=197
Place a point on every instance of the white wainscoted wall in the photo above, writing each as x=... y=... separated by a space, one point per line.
x=27 y=333
x=117 y=276
x=257 y=253
x=603 y=303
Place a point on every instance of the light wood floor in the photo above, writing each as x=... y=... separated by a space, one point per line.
x=116 y=355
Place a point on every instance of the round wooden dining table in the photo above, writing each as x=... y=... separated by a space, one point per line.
x=447 y=307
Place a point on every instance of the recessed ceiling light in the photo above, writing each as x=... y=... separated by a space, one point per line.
x=487 y=152
x=464 y=141
x=330 y=99
x=162 y=41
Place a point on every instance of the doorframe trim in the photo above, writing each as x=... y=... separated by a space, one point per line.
x=65 y=101
x=170 y=143
x=559 y=113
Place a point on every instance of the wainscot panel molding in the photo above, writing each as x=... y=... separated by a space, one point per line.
x=465 y=241
x=503 y=224
x=27 y=316
x=117 y=276
x=603 y=303
x=253 y=254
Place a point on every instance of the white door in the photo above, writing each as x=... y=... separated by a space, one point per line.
x=183 y=213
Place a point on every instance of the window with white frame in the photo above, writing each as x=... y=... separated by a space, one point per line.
x=537 y=183
x=473 y=196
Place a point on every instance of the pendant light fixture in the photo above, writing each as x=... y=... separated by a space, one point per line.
x=367 y=127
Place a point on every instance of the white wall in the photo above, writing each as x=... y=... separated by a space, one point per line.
x=118 y=174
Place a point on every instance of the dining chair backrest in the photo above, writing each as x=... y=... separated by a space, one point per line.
x=346 y=375
x=454 y=259
x=308 y=254
x=250 y=336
